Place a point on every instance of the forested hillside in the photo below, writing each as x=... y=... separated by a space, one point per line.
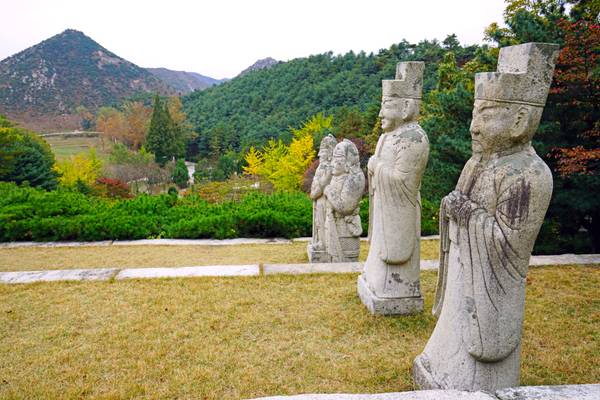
x=262 y=104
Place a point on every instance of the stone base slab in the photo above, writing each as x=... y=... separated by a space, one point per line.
x=387 y=306
x=316 y=256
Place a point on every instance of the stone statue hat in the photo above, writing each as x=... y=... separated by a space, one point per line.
x=524 y=75
x=408 y=83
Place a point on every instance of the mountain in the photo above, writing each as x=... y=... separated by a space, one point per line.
x=260 y=64
x=182 y=81
x=40 y=87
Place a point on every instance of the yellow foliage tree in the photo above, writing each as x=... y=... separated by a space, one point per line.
x=282 y=165
x=254 y=161
x=84 y=168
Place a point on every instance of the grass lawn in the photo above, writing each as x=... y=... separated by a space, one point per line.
x=64 y=147
x=232 y=338
x=43 y=258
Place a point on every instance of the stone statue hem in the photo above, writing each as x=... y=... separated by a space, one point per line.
x=422 y=375
x=387 y=306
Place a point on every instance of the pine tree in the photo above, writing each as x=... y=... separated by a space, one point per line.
x=165 y=137
x=180 y=174
x=25 y=157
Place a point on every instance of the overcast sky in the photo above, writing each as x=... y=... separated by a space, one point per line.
x=221 y=38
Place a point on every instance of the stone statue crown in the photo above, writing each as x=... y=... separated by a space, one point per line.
x=524 y=75
x=408 y=83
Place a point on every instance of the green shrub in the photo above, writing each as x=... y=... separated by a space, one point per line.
x=33 y=214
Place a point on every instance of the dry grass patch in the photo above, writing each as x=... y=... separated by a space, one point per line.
x=64 y=147
x=232 y=338
x=44 y=258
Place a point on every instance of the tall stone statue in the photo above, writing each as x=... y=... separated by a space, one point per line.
x=342 y=223
x=488 y=227
x=316 y=248
x=390 y=281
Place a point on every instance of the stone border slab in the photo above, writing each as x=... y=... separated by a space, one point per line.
x=99 y=274
x=185 y=272
x=169 y=242
x=198 y=242
x=564 y=259
x=244 y=270
x=418 y=395
x=14 y=245
x=271 y=269
x=561 y=392
x=148 y=242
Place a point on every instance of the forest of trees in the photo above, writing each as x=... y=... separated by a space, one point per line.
x=251 y=110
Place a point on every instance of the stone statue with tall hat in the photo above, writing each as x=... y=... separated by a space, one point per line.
x=488 y=226
x=342 y=222
x=389 y=284
x=316 y=247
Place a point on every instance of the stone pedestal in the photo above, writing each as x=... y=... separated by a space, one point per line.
x=317 y=256
x=387 y=306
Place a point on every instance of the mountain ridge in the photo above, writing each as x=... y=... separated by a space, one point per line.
x=184 y=81
x=258 y=65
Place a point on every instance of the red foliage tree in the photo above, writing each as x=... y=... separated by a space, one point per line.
x=576 y=88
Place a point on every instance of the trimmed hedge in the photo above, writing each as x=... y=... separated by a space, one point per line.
x=33 y=214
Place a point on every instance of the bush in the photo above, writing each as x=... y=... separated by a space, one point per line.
x=33 y=214
x=113 y=188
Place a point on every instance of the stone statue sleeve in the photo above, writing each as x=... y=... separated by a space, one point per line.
x=315 y=188
x=397 y=191
x=495 y=251
x=346 y=202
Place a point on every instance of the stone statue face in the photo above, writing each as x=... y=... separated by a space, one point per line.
x=499 y=126
x=390 y=113
x=339 y=161
x=395 y=111
x=325 y=154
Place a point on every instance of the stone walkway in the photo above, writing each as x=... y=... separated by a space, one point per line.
x=560 y=392
x=168 y=242
x=103 y=274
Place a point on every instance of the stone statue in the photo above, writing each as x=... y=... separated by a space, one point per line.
x=390 y=282
x=343 y=194
x=316 y=247
x=488 y=227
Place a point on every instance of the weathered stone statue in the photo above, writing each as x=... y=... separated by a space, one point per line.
x=316 y=247
x=488 y=227
x=390 y=281
x=343 y=194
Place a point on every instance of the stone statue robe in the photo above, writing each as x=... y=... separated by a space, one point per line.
x=343 y=226
x=485 y=250
x=392 y=267
x=320 y=181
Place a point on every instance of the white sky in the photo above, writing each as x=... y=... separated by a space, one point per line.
x=221 y=38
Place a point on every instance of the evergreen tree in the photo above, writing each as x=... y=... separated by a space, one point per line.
x=180 y=174
x=165 y=137
x=25 y=157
